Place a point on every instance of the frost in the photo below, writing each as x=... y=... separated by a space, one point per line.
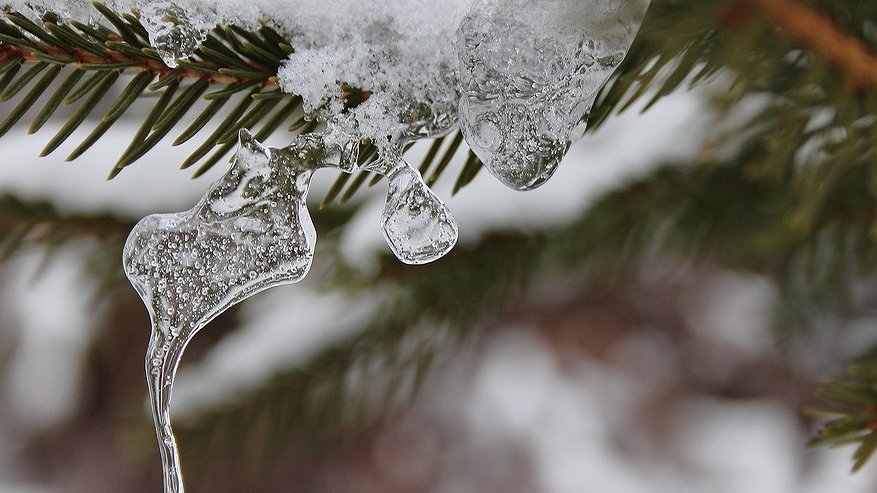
x=171 y=32
x=530 y=70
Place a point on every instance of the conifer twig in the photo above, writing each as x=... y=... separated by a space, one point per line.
x=137 y=64
x=822 y=35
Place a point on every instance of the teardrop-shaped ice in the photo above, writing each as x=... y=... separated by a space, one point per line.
x=530 y=70
x=250 y=232
x=170 y=30
x=417 y=225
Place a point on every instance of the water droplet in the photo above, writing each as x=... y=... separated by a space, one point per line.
x=417 y=225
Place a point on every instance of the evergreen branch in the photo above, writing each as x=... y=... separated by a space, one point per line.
x=654 y=55
x=104 y=54
x=853 y=415
x=239 y=67
x=790 y=194
x=24 y=223
x=115 y=55
x=689 y=42
x=239 y=61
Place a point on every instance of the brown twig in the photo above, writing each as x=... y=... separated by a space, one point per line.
x=155 y=67
x=821 y=35
x=352 y=96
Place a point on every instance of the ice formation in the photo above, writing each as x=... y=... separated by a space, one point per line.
x=530 y=70
x=250 y=232
x=527 y=70
x=517 y=76
x=417 y=225
x=171 y=32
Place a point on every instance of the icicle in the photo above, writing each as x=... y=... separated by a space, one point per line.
x=171 y=32
x=530 y=70
x=250 y=232
x=417 y=225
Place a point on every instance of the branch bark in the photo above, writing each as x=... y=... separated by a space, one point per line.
x=825 y=38
x=144 y=64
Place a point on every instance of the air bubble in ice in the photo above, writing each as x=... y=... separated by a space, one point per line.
x=253 y=231
x=529 y=72
x=171 y=32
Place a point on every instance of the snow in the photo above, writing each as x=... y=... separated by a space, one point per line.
x=401 y=49
x=735 y=309
x=570 y=420
x=417 y=59
x=713 y=430
x=43 y=378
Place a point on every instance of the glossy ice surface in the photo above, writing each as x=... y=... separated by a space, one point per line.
x=250 y=232
x=417 y=225
x=530 y=70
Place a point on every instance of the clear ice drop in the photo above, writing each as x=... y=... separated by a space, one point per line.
x=417 y=225
x=340 y=142
x=250 y=232
x=170 y=30
x=530 y=70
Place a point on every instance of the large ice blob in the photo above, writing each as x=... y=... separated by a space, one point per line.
x=530 y=70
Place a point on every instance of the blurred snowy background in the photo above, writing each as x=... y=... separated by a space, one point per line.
x=668 y=381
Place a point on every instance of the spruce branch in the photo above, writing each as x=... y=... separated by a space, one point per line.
x=242 y=63
x=239 y=68
x=233 y=59
x=118 y=55
x=852 y=412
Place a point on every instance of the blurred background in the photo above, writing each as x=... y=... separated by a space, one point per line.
x=568 y=344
